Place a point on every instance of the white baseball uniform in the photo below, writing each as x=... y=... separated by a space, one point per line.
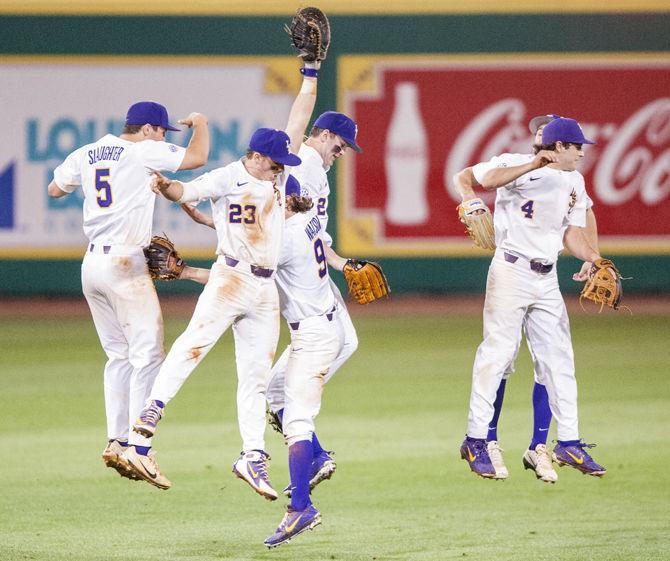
x=531 y=216
x=248 y=214
x=509 y=160
x=312 y=313
x=313 y=179
x=115 y=176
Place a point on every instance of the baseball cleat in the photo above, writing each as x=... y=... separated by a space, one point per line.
x=112 y=455
x=323 y=467
x=146 y=468
x=294 y=522
x=252 y=467
x=539 y=460
x=496 y=457
x=475 y=453
x=148 y=419
x=575 y=456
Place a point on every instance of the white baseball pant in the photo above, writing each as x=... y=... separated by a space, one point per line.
x=315 y=343
x=128 y=319
x=232 y=296
x=349 y=345
x=518 y=296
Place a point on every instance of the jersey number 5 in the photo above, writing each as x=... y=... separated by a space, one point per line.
x=103 y=187
x=320 y=255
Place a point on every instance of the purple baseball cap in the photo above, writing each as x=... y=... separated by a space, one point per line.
x=149 y=113
x=564 y=130
x=341 y=125
x=274 y=144
x=292 y=186
x=536 y=122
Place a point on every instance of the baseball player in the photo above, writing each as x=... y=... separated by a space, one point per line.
x=537 y=457
x=247 y=199
x=540 y=207
x=114 y=174
x=331 y=136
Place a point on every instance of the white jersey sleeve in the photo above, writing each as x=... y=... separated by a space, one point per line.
x=211 y=185
x=503 y=161
x=159 y=155
x=577 y=212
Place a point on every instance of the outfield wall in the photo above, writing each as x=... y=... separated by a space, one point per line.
x=475 y=78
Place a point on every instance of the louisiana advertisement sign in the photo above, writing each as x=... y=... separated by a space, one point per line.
x=422 y=119
x=52 y=106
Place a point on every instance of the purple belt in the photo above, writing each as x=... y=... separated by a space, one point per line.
x=255 y=270
x=105 y=248
x=534 y=265
x=296 y=324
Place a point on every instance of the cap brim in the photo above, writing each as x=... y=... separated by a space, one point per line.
x=536 y=122
x=352 y=144
x=288 y=160
x=171 y=128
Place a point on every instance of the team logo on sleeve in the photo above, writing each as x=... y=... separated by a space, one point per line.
x=573 y=201
x=172 y=148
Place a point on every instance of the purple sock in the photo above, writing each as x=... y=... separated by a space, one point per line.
x=569 y=442
x=316 y=445
x=541 y=415
x=143 y=450
x=300 y=468
x=497 y=408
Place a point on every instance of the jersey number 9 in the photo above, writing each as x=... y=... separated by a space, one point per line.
x=320 y=255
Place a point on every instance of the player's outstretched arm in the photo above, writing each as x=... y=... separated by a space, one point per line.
x=591 y=234
x=197 y=150
x=333 y=259
x=55 y=192
x=577 y=244
x=499 y=177
x=195 y=274
x=465 y=184
x=301 y=111
x=197 y=216
x=171 y=190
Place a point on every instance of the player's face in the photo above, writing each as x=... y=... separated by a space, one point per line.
x=334 y=147
x=270 y=169
x=538 y=135
x=569 y=155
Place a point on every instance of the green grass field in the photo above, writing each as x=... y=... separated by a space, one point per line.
x=395 y=415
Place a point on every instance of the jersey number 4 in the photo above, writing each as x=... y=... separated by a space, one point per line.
x=103 y=187
x=527 y=209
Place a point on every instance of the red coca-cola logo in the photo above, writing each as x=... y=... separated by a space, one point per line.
x=426 y=124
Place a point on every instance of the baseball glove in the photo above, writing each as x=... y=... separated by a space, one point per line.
x=478 y=225
x=365 y=280
x=310 y=34
x=163 y=260
x=603 y=285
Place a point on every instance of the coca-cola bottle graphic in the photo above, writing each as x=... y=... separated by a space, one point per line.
x=406 y=160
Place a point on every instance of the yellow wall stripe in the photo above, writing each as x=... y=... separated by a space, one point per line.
x=332 y=7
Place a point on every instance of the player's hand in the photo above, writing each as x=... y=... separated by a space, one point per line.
x=583 y=273
x=197 y=216
x=544 y=157
x=159 y=182
x=466 y=199
x=193 y=120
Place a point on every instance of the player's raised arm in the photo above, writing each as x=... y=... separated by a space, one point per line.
x=310 y=34
x=197 y=150
x=465 y=184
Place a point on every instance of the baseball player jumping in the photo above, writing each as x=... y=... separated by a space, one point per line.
x=247 y=199
x=537 y=457
x=540 y=207
x=114 y=174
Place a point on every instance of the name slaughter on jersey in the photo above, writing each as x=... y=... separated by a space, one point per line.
x=105 y=153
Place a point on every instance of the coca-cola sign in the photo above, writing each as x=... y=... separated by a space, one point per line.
x=422 y=121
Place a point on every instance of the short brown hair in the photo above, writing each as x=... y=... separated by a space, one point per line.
x=134 y=129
